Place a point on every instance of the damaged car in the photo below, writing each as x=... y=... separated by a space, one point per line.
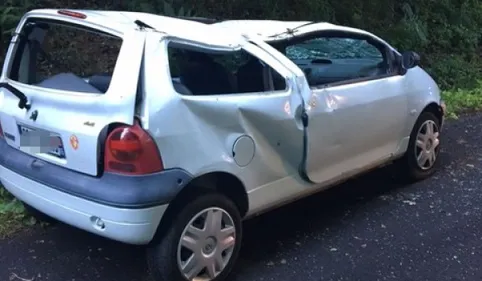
x=169 y=132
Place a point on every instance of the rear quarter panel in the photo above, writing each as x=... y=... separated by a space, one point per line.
x=196 y=133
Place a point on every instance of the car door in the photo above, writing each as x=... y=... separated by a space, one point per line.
x=353 y=127
x=354 y=102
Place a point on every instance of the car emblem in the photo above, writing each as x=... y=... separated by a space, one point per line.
x=34 y=115
x=74 y=142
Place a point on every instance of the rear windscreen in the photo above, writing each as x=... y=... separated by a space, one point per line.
x=63 y=56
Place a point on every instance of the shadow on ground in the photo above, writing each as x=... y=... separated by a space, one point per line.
x=87 y=256
x=62 y=253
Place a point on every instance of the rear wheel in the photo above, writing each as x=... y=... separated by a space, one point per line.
x=201 y=244
x=421 y=156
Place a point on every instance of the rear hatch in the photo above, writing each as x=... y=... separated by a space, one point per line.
x=77 y=81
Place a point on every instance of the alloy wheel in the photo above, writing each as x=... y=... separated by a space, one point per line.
x=206 y=245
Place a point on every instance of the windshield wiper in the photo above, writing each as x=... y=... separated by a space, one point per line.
x=23 y=101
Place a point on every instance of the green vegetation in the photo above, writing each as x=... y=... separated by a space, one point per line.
x=460 y=100
x=446 y=33
x=12 y=214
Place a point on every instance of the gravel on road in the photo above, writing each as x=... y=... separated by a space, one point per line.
x=367 y=229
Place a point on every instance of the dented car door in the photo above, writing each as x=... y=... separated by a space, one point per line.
x=353 y=126
x=353 y=102
x=259 y=128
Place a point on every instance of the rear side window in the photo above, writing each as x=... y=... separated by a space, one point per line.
x=65 y=57
x=199 y=72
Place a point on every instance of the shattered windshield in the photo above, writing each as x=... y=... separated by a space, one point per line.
x=333 y=48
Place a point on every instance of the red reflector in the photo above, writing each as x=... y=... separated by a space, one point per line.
x=72 y=14
x=128 y=146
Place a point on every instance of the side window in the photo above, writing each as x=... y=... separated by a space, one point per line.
x=196 y=71
x=337 y=59
x=65 y=57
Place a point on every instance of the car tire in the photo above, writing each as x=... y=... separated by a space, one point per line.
x=166 y=255
x=424 y=145
x=37 y=215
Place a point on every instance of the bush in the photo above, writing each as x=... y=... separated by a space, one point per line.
x=11 y=12
x=12 y=214
x=446 y=33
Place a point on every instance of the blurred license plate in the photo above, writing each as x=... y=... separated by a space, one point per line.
x=40 y=141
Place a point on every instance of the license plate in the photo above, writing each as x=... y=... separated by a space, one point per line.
x=40 y=141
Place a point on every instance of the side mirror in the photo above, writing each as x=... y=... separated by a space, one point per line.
x=410 y=59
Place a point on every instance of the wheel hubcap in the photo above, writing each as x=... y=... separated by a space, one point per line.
x=427 y=145
x=206 y=245
x=210 y=245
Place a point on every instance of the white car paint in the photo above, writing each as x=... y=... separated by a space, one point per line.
x=352 y=127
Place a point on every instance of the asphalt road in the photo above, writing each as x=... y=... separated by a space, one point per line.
x=367 y=229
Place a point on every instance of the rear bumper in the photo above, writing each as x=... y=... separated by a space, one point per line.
x=133 y=226
x=122 y=208
x=121 y=191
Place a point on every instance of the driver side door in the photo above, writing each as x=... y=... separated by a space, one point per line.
x=355 y=105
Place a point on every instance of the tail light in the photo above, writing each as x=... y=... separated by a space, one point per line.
x=1 y=131
x=131 y=150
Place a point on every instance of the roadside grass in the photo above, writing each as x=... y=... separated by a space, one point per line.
x=462 y=101
x=13 y=216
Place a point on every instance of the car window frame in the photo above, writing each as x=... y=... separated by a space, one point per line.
x=19 y=46
x=387 y=52
x=196 y=46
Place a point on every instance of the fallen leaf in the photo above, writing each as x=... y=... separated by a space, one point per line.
x=14 y=276
x=411 y=203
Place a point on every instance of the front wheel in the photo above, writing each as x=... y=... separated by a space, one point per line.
x=421 y=156
x=202 y=243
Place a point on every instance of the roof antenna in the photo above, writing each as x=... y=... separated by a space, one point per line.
x=142 y=25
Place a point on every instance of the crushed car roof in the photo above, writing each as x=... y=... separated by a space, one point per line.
x=223 y=33
x=270 y=30
x=263 y=28
x=120 y=22
x=273 y=30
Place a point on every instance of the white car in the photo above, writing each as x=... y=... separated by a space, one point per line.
x=168 y=132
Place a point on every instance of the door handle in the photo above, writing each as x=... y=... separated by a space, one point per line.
x=304 y=118
x=301 y=118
